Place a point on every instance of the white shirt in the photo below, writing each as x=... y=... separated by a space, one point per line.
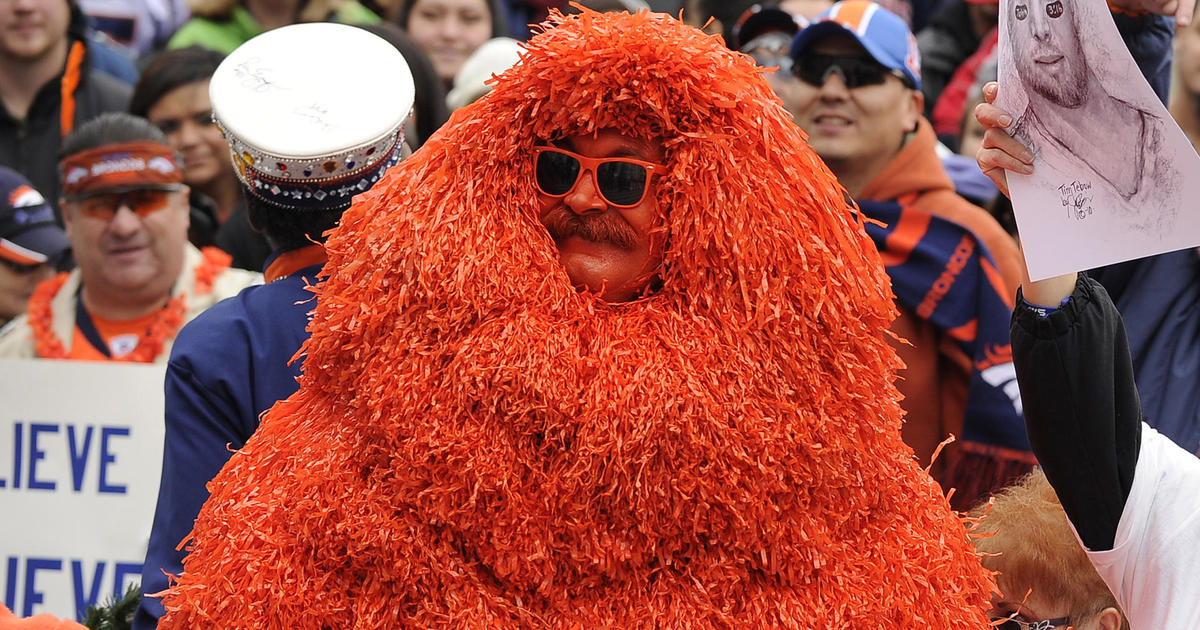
x=1153 y=568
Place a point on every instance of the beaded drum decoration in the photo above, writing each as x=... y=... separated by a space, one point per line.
x=312 y=135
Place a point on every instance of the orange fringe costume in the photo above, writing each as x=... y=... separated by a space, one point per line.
x=478 y=445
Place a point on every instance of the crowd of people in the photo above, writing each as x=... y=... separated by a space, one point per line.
x=794 y=240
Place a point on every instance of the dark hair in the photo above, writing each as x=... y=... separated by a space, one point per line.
x=430 y=100
x=110 y=128
x=287 y=229
x=495 y=7
x=169 y=70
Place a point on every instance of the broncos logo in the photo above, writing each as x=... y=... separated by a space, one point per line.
x=25 y=197
x=997 y=369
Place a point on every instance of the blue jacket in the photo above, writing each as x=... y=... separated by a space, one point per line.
x=227 y=367
x=1148 y=38
x=1159 y=297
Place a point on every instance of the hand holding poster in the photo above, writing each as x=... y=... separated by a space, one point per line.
x=80 y=458
x=1112 y=170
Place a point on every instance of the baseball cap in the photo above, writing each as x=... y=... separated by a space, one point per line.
x=29 y=235
x=883 y=34
x=304 y=144
x=759 y=20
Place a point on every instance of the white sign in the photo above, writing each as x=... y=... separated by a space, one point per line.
x=80 y=459
x=1114 y=177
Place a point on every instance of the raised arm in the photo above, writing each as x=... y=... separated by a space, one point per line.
x=1081 y=406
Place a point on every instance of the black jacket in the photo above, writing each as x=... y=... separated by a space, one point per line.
x=236 y=237
x=1082 y=411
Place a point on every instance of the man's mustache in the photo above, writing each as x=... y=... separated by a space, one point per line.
x=603 y=227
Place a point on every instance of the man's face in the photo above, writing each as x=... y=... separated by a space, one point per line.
x=185 y=117
x=610 y=250
x=127 y=253
x=17 y=283
x=31 y=29
x=853 y=124
x=1047 y=51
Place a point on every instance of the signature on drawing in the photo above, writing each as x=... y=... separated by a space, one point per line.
x=1076 y=197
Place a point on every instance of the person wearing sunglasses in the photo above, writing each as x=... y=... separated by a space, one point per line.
x=31 y=243
x=597 y=200
x=1044 y=577
x=859 y=100
x=138 y=280
x=609 y=351
x=765 y=32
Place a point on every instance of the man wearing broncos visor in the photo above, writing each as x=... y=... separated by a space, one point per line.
x=138 y=280
x=859 y=99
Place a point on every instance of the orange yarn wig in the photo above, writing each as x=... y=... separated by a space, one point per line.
x=476 y=444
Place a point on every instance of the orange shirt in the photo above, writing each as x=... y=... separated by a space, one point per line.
x=121 y=337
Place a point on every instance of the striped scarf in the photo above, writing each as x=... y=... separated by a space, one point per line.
x=944 y=274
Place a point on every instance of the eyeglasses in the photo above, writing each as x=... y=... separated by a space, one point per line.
x=1018 y=622
x=854 y=71
x=143 y=201
x=22 y=269
x=622 y=182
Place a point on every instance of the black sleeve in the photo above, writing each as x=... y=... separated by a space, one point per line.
x=1081 y=406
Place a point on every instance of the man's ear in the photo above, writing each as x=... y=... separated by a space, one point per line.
x=916 y=102
x=1108 y=619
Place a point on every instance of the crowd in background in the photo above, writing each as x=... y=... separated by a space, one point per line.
x=66 y=62
x=152 y=58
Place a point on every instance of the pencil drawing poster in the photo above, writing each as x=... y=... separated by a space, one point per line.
x=1114 y=176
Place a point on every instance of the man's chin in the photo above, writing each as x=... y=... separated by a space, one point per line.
x=604 y=275
x=131 y=279
x=30 y=50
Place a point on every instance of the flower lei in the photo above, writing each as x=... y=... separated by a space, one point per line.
x=47 y=345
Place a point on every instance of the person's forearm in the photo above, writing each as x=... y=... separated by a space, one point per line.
x=1049 y=292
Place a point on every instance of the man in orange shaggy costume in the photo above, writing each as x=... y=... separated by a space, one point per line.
x=505 y=423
